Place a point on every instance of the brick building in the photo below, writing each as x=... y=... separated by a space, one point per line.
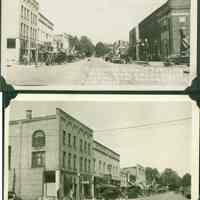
x=50 y=153
x=57 y=153
x=163 y=28
x=106 y=166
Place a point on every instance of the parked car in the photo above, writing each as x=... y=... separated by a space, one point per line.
x=12 y=196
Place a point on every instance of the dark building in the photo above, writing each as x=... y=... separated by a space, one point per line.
x=165 y=27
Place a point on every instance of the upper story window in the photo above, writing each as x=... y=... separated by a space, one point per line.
x=74 y=141
x=38 y=139
x=182 y=19
x=9 y=157
x=85 y=147
x=69 y=139
x=81 y=145
x=38 y=159
x=64 y=137
x=11 y=43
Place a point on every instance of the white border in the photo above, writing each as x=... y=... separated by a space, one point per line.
x=121 y=98
x=193 y=64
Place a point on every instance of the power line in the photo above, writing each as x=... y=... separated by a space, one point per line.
x=144 y=125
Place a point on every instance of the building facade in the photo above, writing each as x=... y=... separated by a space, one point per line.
x=50 y=155
x=45 y=35
x=106 y=166
x=135 y=175
x=165 y=28
x=62 y=42
x=20 y=30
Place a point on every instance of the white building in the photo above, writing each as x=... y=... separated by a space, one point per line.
x=62 y=42
x=19 y=28
x=45 y=35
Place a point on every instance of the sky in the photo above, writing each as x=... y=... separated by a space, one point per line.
x=100 y=20
x=167 y=145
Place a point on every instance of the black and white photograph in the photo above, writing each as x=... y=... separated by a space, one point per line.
x=99 y=45
x=88 y=148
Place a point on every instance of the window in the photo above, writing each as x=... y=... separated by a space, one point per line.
x=89 y=165
x=182 y=19
x=22 y=11
x=81 y=145
x=64 y=159
x=81 y=164
x=9 y=157
x=38 y=159
x=75 y=162
x=38 y=139
x=64 y=137
x=104 y=167
x=28 y=14
x=100 y=166
x=89 y=149
x=85 y=165
x=69 y=139
x=69 y=160
x=94 y=165
x=11 y=43
x=85 y=147
x=74 y=141
x=49 y=177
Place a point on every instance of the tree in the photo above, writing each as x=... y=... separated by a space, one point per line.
x=186 y=180
x=101 y=49
x=171 y=179
x=151 y=175
x=86 y=46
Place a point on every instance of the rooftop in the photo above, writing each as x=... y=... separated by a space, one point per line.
x=98 y=143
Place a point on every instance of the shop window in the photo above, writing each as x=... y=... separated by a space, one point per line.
x=11 y=43
x=38 y=139
x=38 y=159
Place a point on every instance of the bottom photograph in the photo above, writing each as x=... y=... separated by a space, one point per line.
x=98 y=149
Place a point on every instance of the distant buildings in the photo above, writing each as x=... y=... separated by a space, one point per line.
x=62 y=42
x=106 y=165
x=164 y=29
x=134 y=175
x=45 y=35
x=55 y=154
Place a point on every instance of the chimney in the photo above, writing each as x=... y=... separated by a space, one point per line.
x=28 y=114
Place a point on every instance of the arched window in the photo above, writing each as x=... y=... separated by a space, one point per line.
x=38 y=139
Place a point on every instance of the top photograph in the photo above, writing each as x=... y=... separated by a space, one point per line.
x=99 y=45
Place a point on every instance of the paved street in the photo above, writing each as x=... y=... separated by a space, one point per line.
x=167 y=196
x=97 y=72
